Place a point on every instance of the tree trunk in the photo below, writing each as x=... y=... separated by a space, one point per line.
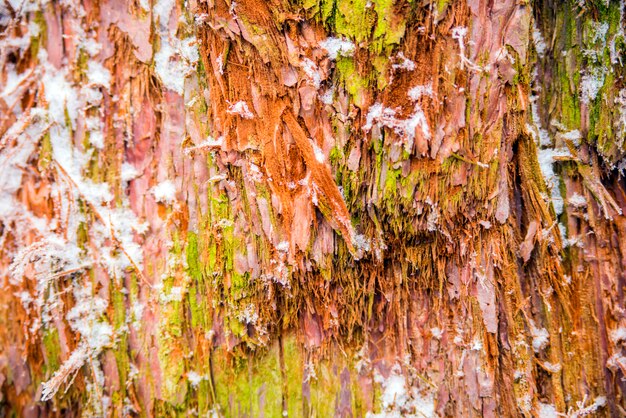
x=312 y=208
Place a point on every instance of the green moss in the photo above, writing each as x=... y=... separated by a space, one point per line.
x=371 y=24
x=198 y=303
x=256 y=385
x=193 y=257
x=442 y=6
x=355 y=84
x=390 y=28
x=260 y=39
x=45 y=152
x=171 y=354
x=51 y=346
x=391 y=184
x=354 y=19
x=336 y=155
x=172 y=348
x=249 y=386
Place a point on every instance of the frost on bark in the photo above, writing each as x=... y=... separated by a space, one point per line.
x=312 y=208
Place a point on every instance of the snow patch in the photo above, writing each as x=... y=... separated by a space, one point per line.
x=98 y=75
x=553 y=368
x=418 y=91
x=128 y=172
x=541 y=337
x=195 y=378
x=165 y=192
x=577 y=201
x=240 y=108
x=618 y=335
x=175 y=61
x=405 y=128
x=312 y=72
x=283 y=246
x=404 y=63
x=590 y=85
x=338 y=47
x=459 y=33
x=162 y=9
x=546 y=158
x=538 y=41
x=319 y=154
x=574 y=136
x=398 y=399
x=547 y=411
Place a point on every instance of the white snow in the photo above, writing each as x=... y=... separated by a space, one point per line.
x=249 y=315
x=436 y=332
x=574 y=135
x=137 y=311
x=61 y=95
x=618 y=335
x=361 y=242
x=398 y=399
x=175 y=61
x=128 y=172
x=459 y=33
x=209 y=143
x=616 y=362
x=547 y=411
x=539 y=42
x=162 y=10
x=404 y=63
x=554 y=368
x=21 y=43
x=405 y=128
x=541 y=337
x=98 y=75
x=67 y=369
x=395 y=391
x=541 y=132
x=195 y=378
x=14 y=159
x=85 y=318
x=175 y=295
x=546 y=158
x=283 y=246
x=188 y=50
x=219 y=61
x=241 y=108
x=165 y=192
x=96 y=138
x=327 y=97
x=338 y=47
x=70 y=108
x=319 y=154
x=590 y=85
x=12 y=83
x=577 y=201
x=177 y=58
x=583 y=410
x=312 y=71
x=477 y=344
x=418 y=91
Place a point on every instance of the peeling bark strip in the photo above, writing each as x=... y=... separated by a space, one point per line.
x=312 y=208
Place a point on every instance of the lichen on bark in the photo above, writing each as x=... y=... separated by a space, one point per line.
x=312 y=208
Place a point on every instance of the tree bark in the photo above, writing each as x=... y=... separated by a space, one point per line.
x=312 y=208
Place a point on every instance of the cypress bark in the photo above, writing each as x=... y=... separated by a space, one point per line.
x=312 y=208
